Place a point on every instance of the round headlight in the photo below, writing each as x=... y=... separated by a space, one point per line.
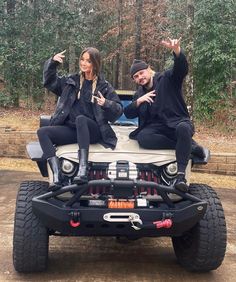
x=67 y=166
x=171 y=169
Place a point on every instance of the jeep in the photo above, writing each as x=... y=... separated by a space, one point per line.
x=130 y=194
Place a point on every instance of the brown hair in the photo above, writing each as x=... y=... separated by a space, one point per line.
x=95 y=58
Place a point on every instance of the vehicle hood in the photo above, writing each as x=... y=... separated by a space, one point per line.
x=126 y=149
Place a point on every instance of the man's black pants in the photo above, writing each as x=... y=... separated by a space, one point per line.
x=159 y=136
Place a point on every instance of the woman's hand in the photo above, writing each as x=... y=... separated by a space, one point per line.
x=100 y=100
x=173 y=44
x=59 y=57
x=146 y=98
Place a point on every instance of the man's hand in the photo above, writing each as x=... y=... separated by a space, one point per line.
x=100 y=100
x=146 y=98
x=173 y=44
x=59 y=57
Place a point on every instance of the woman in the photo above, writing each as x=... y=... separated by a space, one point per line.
x=87 y=102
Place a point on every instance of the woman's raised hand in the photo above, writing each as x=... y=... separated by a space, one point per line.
x=59 y=57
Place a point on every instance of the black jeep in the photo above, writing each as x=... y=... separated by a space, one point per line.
x=130 y=193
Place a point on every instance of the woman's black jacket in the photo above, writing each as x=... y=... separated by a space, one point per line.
x=67 y=88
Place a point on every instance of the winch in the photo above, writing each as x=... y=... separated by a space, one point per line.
x=122 y=170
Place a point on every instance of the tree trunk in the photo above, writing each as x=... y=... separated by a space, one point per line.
x=189 y=49
x=138 y=26
x=33 y=94
x=11 y=5
x=72 y=55
x=118 y=74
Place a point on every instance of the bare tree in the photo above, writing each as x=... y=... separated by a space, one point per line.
x=189 y=49
x=72 y=56
x=138 y=27
x=118 y=75
x=11 y=6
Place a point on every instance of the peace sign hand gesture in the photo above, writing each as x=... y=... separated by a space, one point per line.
x=173 y=44
x=59 y=57
x=148 y=97
x=100 y=100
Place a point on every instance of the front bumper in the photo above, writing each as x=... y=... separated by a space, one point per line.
x=69 y=218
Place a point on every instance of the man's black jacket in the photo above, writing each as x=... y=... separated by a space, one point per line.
x=169 y=107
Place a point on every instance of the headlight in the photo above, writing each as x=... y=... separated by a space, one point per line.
x=171 y=169
x=67 y=166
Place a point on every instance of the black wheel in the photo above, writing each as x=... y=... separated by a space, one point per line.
x=203 y=247
x=30 y=238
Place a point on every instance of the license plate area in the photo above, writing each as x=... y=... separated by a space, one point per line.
x=121 y=204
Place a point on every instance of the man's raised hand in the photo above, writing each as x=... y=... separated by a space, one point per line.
x=173 y=44
x=59 y=57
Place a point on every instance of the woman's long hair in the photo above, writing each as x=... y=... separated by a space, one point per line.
x=95 y=58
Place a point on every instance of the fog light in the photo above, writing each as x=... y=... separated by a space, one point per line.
x=67 y=166
x=171 y=169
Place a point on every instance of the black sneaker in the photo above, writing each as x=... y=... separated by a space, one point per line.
x=180 y=183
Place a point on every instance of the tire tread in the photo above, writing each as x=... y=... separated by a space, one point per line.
x=30 y=238
x=209 y=235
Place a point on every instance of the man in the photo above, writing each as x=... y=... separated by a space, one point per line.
x=164 y=121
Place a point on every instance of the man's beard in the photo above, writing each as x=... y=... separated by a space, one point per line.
x=149 y=84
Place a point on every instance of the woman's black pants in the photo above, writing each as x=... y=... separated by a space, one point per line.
x=86 y=132
x=158 y=136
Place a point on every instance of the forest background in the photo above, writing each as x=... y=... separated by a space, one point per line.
x=32 y=30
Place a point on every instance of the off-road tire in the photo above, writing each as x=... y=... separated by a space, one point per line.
x=30 y=238
x=202 y=248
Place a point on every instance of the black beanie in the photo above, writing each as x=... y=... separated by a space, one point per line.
x=137 y=65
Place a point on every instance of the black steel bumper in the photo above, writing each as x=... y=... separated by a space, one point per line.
x=67 y=218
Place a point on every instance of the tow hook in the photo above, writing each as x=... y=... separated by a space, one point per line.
x=166 y=223
x=75 y=219
x=136 y=221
